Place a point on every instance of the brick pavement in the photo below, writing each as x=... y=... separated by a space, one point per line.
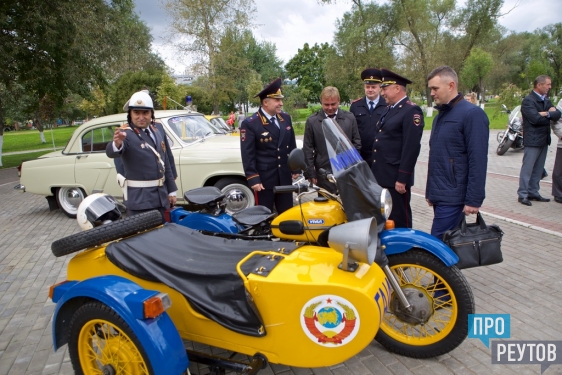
x=526 y=285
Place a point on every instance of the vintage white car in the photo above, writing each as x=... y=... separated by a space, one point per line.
x=204 y=156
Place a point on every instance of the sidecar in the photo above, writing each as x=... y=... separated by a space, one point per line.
x=132 y=301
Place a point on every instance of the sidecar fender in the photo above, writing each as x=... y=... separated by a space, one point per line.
x=159 y=337
x=200 y=221
x=400 y=240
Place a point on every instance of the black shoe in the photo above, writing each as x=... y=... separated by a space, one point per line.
x=538 y=199
x=544 y=174
x=558 y=199
x=524 y=201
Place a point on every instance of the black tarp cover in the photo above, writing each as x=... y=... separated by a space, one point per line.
x=202 y=268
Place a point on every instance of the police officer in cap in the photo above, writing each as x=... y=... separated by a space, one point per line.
x=368 y=110
x=396 y=146
x=266 y=139
x=148 y=183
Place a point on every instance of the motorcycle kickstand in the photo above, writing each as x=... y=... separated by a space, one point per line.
x=401 y=296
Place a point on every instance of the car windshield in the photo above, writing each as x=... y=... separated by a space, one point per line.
x=192 y=128
x=219 y=121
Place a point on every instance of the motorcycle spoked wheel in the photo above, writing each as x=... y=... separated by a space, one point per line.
x=504 y=146
x=101 y=342
x=442 y=292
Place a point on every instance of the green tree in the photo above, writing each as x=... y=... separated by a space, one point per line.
x=476 y=67
x=308 y=67
x=203 y=23
x=131 y=82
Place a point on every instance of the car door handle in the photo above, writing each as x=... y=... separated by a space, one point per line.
x=81 y=156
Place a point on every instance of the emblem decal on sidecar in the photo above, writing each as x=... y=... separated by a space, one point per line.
x=330 y=320
x=315 y=221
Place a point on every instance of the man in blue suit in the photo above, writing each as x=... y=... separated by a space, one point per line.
x=266 y=139
x=148 y=183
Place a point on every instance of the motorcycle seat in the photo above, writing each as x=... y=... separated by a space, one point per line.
x=203 y=195
x=252 y=215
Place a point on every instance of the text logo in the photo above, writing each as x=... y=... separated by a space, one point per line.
x=345 y=159
x=514 y=352
x=488 y=326
x=316 y=221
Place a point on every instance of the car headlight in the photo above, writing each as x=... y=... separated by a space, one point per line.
x=386 y=203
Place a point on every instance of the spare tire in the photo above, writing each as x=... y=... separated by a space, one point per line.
x=106 y=233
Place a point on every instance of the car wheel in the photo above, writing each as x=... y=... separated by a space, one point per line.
x=238 y=195
x=106 y=233
x=69 y=198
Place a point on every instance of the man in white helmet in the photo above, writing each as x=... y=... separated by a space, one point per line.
x=148 y=183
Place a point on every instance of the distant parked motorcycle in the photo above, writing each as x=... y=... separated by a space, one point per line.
x=513 y=136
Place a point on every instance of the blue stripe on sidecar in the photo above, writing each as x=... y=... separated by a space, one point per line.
x=222 y=223
x=159 y=337
x=400 y=240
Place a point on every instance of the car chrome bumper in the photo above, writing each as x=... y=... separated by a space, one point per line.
x=20 y=187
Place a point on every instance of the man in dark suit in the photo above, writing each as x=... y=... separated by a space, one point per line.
x=314 y=147
x=148 y=182
x=266 y=139
x=537 y=112
x=397 y=145
x=368 y=110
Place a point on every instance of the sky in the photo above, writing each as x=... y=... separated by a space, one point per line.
x=291 y=23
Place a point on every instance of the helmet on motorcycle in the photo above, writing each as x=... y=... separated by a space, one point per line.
x=139 y=100
x=98 y=209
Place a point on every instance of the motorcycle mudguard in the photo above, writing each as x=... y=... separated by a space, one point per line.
x=159 y=337
x=400 y=240
x=511 y=136
x=195 y=220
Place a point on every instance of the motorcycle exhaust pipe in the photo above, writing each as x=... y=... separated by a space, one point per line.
x=396 y=287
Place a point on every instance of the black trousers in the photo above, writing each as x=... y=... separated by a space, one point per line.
x=268 y=199
x=401 y=209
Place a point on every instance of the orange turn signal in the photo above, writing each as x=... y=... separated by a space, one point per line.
x=156 y=305
x=389 y=224
x=52 y=288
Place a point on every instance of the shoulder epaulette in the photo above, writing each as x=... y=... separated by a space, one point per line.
x=356 y=100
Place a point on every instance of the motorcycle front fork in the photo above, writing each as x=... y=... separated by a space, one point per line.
x=396 y=286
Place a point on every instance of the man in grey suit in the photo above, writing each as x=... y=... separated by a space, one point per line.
x=314 y=146
x=148 y=183
x=537 y=112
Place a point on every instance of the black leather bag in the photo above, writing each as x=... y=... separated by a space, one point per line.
x=476 y=244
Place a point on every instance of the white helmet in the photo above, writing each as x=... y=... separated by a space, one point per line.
x=98 y=209
x=139 y=100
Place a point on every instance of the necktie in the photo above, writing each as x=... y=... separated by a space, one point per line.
x=149 y=135
x=371 y=106
x=274 y=122
x=384 y=114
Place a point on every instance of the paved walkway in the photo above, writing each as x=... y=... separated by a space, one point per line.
x=526 y=285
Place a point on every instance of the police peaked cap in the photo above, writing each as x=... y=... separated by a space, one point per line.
x=371 y=76
x=273 y=90
x=391 y=78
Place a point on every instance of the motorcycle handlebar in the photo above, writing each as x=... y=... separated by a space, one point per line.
x=299 y=188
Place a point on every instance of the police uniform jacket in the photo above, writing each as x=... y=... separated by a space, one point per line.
x=366 y=123
x=265 y=149
x=141 y=164
x=314 y=144
x=397 y=144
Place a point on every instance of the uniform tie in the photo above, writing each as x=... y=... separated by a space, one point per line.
x=274 y=122
x=150 y=135
x=371 y=106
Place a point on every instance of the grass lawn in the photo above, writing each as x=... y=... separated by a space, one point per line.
x=26 y=140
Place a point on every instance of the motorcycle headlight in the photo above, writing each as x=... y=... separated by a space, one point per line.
x=386 y=203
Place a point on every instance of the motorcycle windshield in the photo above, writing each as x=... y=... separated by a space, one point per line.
x=515 y=114
x=359 y=191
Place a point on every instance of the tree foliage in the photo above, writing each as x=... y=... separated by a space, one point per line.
x=476 y=67
x=203 y=24
x=308 y=67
